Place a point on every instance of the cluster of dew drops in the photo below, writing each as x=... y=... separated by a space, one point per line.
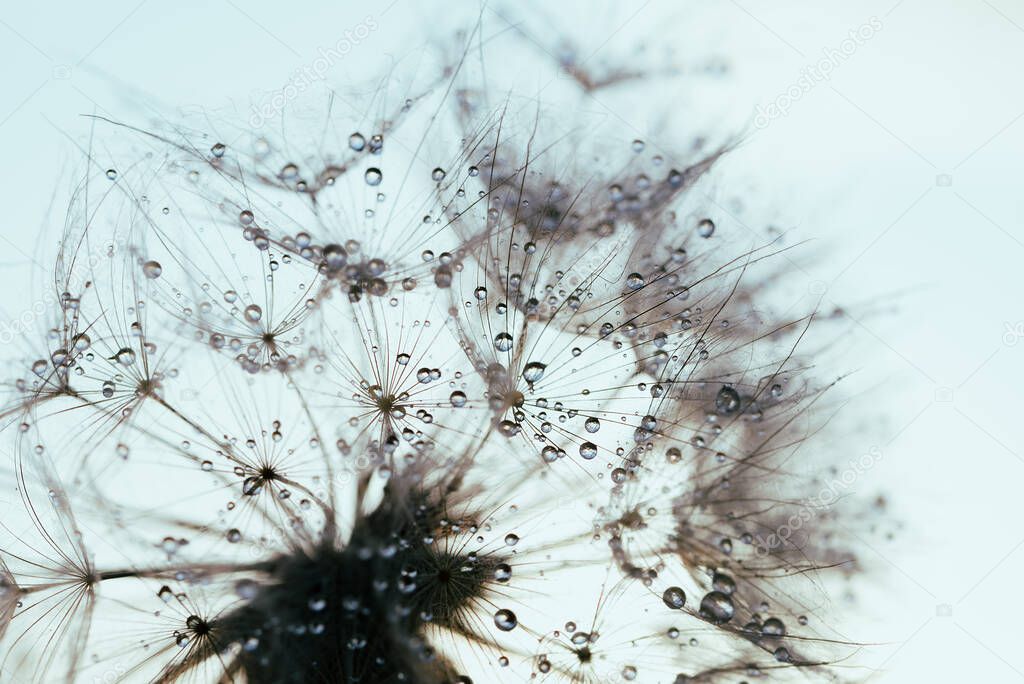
x=716 y=606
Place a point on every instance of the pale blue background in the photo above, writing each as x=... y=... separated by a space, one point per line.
x=929 y=271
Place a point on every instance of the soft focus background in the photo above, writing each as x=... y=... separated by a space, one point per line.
x=901 y=164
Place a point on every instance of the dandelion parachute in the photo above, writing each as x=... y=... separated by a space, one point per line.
x=435 y=399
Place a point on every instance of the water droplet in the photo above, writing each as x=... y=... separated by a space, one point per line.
x=334 y=256
x=727 y=401
x=503 y=341
x=717 y=607
x=505 y=620
x=373 y=176
x=588 y=450
x=356 y=142
x=533 y=371
x=674 y=598
x=706 y=228
x=721 y=582
x=592 y=425
x=152 y=269
x=125 y=357
x=253 y=313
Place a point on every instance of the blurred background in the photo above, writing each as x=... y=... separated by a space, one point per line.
x=888 y=134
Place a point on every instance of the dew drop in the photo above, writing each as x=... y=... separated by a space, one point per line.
x=505 y=620
x=534 y=371
x=503 y=341
x=717 y=607
x=152 y=269
x=125 y=357
x=674 y=598
x=502 y=572
x=773 y=627
x=253 y=313
x=727 y=401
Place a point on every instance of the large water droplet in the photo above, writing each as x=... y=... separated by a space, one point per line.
x=152 y=269
x=533 y=371
x=505 y=620
x=674 y=598
x=717 y=607
x=503 y=341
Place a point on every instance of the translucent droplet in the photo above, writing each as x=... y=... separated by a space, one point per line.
x=458 y=399
x=152 y=269
x=334 y=256
x=253 y=313
x=373 y=176
x=773 y=627
x=125 y=357
x=706 y=228
x=505 y=620
x=717 y=607
x=727 y=401
x=533 y=371
x=674 y=598
x=721 y=582
x=356 y=142
x=502 y=572
x=588 y=450
x=592 y=425
x=503 y=341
